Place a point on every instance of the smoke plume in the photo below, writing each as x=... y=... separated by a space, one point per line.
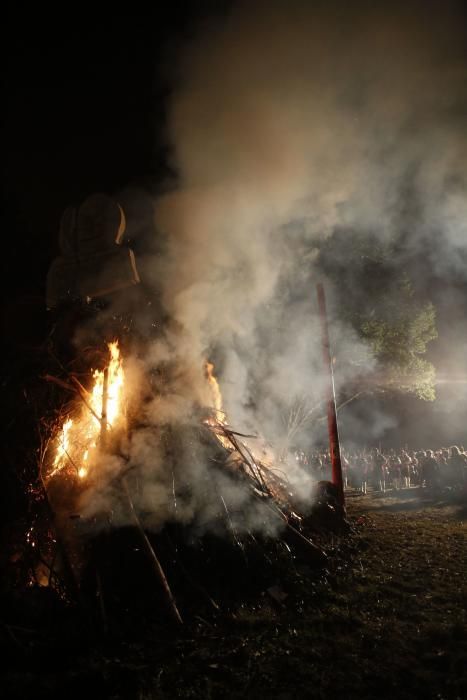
x=289 y=121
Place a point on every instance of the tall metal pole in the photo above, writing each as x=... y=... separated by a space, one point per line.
x=334 y=445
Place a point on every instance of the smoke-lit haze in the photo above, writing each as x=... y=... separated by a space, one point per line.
x=287 y=122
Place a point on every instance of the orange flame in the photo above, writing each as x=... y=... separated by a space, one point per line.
x=77 y=443
x=215 y=391
x=219 y=419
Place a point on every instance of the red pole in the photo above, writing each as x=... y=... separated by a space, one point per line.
x=334 y=446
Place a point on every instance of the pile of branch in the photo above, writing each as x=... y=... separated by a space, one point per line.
x=182 y=564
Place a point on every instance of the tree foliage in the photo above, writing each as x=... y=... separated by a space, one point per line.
x=374 y=293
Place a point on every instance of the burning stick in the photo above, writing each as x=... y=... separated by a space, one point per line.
x=84 y=394
x=105 y=398
x=77 y=389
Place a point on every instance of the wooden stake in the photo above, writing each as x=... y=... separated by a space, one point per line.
x=152 y=558
x=334 y=446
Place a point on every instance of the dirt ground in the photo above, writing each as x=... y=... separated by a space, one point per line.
x=386 y=618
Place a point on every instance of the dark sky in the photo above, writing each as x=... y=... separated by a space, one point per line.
x=84 y=108
x=84 y=111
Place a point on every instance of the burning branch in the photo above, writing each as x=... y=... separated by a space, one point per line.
x=88 y=435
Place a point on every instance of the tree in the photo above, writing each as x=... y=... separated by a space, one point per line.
x=374 y=293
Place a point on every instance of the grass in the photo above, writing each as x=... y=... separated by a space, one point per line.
x=388 y=618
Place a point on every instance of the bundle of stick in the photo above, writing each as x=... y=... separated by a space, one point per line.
x=231 y=456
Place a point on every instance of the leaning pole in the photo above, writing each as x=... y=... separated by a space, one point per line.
x=334 y=446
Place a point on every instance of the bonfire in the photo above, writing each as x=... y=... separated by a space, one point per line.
x=96 y=488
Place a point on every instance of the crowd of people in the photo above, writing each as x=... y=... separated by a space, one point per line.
x=382 y=470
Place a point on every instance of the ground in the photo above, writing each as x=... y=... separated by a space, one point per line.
x=387 y=618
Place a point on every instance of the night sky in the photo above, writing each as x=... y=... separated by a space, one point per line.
x=84 y=110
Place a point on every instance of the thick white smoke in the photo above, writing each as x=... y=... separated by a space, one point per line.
x=289 y=121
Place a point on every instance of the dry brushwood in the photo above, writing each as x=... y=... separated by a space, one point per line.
x=229 y=452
